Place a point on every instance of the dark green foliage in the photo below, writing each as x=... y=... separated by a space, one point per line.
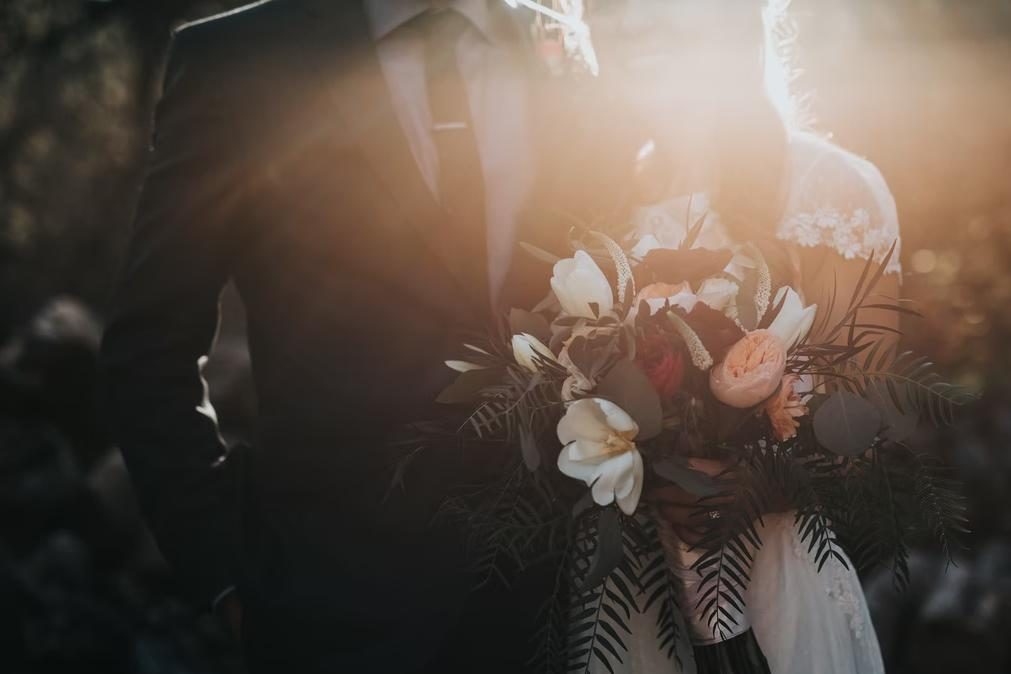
x=872 y=507
x=659 y=588
x=627 y=386
x=599 y=614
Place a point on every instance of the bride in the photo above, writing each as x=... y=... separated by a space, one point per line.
x=700 y=83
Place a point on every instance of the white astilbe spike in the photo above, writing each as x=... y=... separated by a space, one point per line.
x=763 y=290
x=696 y=349
x=621 y=264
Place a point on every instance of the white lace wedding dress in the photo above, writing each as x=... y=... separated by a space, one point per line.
x=805 y=621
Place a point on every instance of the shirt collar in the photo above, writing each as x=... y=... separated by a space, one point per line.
x=385 y=16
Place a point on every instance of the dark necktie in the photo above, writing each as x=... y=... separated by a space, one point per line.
x=462 y=237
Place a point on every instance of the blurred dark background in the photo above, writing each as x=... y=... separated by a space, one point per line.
x=921 y=87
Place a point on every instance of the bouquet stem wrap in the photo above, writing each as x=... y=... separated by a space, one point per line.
x=734 y=650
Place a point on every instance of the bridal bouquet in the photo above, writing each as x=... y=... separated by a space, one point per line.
x=643 y=359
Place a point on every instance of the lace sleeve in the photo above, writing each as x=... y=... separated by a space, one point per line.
x=841 y=201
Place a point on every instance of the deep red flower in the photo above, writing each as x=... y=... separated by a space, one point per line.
x=663 y=365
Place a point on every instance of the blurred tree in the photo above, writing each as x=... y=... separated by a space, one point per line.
x=77 y=83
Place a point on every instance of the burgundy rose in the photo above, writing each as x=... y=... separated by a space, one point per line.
x=663 y=364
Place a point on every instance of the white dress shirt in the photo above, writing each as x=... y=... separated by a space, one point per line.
x=495 y=78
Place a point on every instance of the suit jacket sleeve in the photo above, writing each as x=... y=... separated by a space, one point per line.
x=164 y=321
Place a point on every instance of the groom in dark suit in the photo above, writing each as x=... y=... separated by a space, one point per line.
x=362 y=171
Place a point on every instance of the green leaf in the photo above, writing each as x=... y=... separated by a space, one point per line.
x=846 y=424
x=627 y=386
x=609 y=551
x=901 y=420
x=692 y=481
x=528 y=446
x=468 y=386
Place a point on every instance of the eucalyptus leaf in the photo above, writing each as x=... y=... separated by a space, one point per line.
x=846 y=424
x=468 y=386
x=627 y=386
x=609 y=550
x=900 y=421
x=692 y=481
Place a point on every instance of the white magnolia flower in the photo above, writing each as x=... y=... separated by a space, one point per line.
x=526 y=347
x=578 y=282
x=794 y=319
x=600 y=450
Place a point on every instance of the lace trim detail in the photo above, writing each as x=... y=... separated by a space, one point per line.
x=850 y=234
x=838 y=586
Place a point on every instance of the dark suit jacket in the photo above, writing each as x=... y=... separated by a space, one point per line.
x=278 y=163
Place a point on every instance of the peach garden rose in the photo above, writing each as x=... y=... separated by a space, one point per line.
x=751 y=371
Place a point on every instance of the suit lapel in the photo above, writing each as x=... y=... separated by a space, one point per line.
x=361 y=97
x=359 y=93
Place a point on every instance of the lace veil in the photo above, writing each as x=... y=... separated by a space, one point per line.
x=840 y=201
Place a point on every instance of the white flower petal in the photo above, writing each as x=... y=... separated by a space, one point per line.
x=583 y=419
x=807 y=321
x=718 y=293
x=569 y=307
x=793 y=320
x=526 y=347
x=590 y=286
x=617 y=418
x=462 y=366
x=591 y=452
x=578 y=282
x=578 y=470
x=628 y=499
x=616 y=475
x=685 y=299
